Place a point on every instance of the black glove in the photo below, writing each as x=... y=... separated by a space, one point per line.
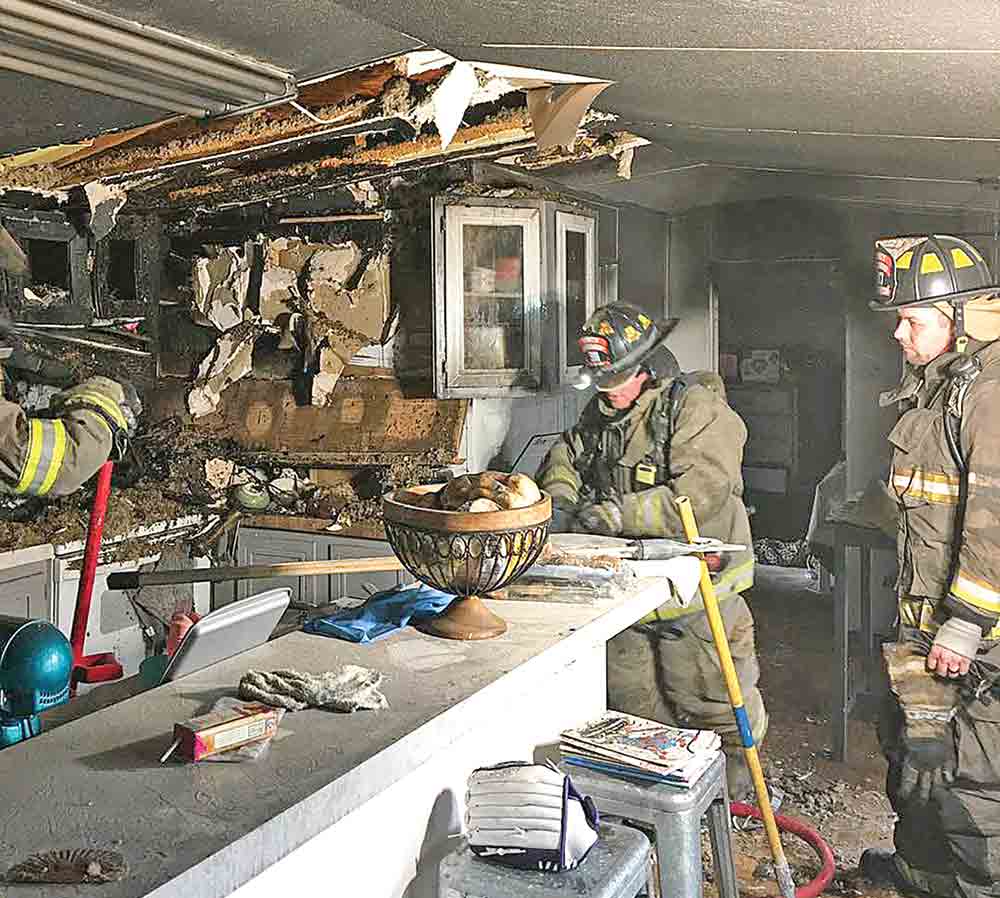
x=131 y=405
x=563 y=520
x=927 y=758
x=601 y=518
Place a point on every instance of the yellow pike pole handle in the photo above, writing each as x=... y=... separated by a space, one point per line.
x=785 y=882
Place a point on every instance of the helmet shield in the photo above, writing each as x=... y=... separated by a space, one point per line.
x=614 y=341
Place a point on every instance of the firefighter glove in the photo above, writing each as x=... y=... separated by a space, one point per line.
x=601 y=518
x=562 y=520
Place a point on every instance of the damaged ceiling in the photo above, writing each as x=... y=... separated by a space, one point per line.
x=308 y=38
x=386 y=118
x=741 y=98
x=846 y=87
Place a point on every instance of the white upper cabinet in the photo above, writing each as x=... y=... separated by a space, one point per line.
x=514 y=280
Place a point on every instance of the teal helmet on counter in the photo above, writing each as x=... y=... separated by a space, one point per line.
x=36 y=664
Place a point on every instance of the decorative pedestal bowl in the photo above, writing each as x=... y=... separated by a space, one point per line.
x=469 y=554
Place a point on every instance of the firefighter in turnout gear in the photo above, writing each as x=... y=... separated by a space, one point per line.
x=650 y=435
x=941 y=731
x=55 y=454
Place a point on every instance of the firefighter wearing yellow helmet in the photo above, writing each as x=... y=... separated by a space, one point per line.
x=941 y=732
x=649 y=435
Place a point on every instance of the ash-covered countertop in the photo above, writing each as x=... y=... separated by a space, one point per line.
x=97 y=781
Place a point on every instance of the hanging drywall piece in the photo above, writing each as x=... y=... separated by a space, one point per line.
x=331 y=366
x=105 y=204
x=230 y=359
x=557 y=117
x=221 y=281
x=329 y=270
x=278 y=292
x=624 y=161
x=452 y=98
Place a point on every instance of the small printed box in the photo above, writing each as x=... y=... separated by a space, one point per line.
x=225 y=730
x=761 y=366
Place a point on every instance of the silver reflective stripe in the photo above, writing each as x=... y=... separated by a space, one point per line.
x=44 y=459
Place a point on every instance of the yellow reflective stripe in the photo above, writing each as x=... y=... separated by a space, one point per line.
x=731 y=583
x=976 y=592
x=735 y=579
x=551 y=478
x=932 y=486
x=650 y=513
x=920 y=614
x=921 y=474
x=31 y=457
x=56 y=460
x=904 y=260
x=108 y=405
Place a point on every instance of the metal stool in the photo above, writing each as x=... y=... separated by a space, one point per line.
x=616 y=867
x=675 y=814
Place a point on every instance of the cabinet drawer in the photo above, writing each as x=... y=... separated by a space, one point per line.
x=276 y=547
x=24 y=591
x=359 y=586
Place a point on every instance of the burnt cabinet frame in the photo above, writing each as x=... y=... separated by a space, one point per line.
x=573 y=221
x=146 y=235
x=52 y=226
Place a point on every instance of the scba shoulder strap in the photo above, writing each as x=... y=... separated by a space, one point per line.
x=663 y=423
x=961 y=375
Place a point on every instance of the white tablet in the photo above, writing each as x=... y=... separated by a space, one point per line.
x=229 y=631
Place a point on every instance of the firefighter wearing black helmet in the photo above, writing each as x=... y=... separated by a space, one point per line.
x=649 y=435
x=941 y=729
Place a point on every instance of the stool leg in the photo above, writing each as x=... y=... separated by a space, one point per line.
x=720 y=831
x=678 y=851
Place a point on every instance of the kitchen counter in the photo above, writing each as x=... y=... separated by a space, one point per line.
x=359 y=804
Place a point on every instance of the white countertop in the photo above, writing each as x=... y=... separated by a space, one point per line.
x=97 y=782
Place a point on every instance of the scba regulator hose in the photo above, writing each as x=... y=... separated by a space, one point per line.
x=808 y=835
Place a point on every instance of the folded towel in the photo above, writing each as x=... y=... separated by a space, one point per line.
x=350 y=688
x=383 y=613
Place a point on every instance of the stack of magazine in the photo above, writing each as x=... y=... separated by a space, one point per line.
x=636 y=748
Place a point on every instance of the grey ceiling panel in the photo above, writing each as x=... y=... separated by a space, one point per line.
x=942 y=159
x=671 y=183
x=307 y=37
x=675 y=190
x=819 y=83
x=907 y=95
x=42 y=113
x=836 y=24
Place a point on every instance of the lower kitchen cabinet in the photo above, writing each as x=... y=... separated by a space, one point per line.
x=260 y=546
x=25 y=583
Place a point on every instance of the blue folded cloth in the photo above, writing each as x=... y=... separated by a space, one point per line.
x=383 y=613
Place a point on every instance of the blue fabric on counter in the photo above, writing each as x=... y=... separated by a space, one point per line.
x=383 y=613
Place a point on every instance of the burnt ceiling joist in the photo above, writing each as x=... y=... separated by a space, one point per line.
x=415 y=111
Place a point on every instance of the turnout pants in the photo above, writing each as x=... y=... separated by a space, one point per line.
x=669 y=671
x=947 y=835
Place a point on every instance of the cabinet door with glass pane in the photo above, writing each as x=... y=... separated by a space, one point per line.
x=576 y=285
x=489 y=272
